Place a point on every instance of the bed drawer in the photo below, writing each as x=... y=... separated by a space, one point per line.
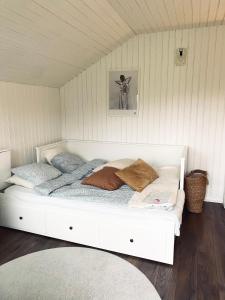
x=74 y=227
x=23 y=218
x=136 y=240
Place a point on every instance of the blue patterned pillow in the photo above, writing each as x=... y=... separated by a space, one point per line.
x=67 y=162
x=37 y=173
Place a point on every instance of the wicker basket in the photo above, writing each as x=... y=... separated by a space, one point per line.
x=195 y=190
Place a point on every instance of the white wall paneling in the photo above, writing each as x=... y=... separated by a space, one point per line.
x=29 y=116
x=177 y=105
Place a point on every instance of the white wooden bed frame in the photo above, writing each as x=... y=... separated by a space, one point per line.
x=150 y=238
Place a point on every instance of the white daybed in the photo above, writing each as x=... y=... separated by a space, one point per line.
x=132 y=232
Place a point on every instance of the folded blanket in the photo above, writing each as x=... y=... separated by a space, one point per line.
x=50 y=186
x=155 y=196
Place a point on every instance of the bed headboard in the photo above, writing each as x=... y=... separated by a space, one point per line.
x=5 y=167
x=158 y=155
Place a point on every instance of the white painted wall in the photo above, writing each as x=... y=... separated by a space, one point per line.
x=29 y=116
x=177 y=105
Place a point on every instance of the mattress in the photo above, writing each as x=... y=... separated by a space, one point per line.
x=17 y=195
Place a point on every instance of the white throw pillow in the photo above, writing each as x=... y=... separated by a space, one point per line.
x=119 y=164
x=49 y=154
x=20 y=181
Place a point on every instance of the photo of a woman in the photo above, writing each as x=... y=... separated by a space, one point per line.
x=123 y=90
x=123 y=84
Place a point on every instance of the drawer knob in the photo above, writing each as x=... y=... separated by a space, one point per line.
x=21 y=218
x=131 y=240
x=71 y=228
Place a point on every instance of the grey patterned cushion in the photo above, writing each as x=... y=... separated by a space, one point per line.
x=36 y=173
x=48 y=187
x=67 y=162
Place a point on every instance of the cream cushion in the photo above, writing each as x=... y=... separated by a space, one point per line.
x=49 y=154
x=20 y=181
x=118 y=164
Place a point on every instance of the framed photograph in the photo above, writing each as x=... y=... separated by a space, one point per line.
x=123 y=92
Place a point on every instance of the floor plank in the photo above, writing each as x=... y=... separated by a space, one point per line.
x=198 y=272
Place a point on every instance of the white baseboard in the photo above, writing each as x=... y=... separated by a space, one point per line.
x=213 y=200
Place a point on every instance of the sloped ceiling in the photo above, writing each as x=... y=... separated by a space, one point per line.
x=48 y=42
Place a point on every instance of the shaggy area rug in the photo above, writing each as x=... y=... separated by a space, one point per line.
x=74 y=273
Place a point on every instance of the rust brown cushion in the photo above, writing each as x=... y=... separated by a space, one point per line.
x=104 y=179
x=138 y=175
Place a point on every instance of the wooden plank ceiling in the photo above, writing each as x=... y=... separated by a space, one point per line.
x=48 y=42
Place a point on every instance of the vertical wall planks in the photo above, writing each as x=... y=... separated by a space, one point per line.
x=29 y=116
x=178 y=105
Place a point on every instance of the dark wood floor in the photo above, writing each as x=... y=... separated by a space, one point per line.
x=198 y=272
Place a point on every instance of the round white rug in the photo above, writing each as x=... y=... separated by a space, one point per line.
x=73 y=273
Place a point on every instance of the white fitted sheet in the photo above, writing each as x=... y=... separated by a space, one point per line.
x=17 y=195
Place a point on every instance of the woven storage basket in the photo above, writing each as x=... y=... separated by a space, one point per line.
x=195 y=190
